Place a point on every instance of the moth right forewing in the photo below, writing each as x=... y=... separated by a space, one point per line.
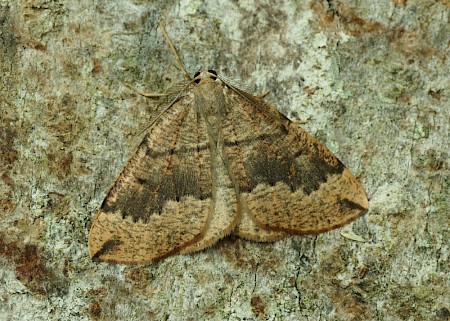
x=249 y=229
x=236 y=83
x=287 y=179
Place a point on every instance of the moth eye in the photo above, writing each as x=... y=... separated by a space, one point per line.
x=212 y=72
x=195 y=76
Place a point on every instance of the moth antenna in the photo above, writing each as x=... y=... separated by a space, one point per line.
x=174 y=50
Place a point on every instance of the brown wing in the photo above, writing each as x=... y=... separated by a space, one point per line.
x=161 y=201
x=287 y=180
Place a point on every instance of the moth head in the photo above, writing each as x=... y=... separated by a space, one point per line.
x=205 y=75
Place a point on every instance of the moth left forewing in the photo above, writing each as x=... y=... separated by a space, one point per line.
x=177 y=91
x=161 y=201
x=287 y=180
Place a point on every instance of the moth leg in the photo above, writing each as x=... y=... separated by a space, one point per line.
x=264 y=94
x=143 y=93
x=301 y=121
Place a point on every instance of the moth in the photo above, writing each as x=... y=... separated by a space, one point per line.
x=219 y=161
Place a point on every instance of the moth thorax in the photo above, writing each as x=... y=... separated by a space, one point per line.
x=209 y=99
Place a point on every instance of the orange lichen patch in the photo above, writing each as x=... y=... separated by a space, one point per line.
x=349 y=306
x=30 y=268
x=6 y=202
x=138 y=276
x=95 y=310
x=8 y=155
x=258 y=306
